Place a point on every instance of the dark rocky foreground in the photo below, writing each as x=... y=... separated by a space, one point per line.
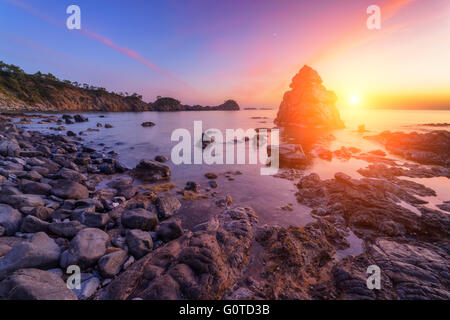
x=64 y=203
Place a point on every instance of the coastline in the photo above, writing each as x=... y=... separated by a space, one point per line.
x=63 y=195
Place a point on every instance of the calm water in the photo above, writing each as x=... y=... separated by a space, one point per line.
x=266 y=194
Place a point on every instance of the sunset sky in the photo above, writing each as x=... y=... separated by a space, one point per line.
x=205 y=51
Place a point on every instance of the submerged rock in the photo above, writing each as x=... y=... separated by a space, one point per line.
x=151 y=171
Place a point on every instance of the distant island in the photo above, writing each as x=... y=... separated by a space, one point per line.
x=22 y=92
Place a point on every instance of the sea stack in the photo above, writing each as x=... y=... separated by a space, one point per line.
x=309 y=103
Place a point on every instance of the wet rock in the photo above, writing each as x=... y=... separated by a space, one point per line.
x=33 y=187
x=40 y=252
x=42 y=213
x=192 y=186
x=25 y=200
x=167 y=207
x=168 y=231
x=31 y=224
x=80 y=118
x=67 y=189
x=150 y=170
x=34 y=284
x=111 y=264
x=212 y=184
x=211 y=175
x=10 y=219
x=127 y=191
x=426 y=148
x=9 y=148
x=73 y=175
x=444 y=206
x=88 y=288
x=290 y=155
x=147 y=124
x=67 y=229
x=91 y=219
x=139 y=219
x=139 y=243
x=198 y=265
x=340 y=176
x=85 y=249
x=161 y=159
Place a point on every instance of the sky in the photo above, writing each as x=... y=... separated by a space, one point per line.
x=205 y=52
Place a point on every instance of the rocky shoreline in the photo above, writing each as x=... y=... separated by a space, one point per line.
x=63 y=203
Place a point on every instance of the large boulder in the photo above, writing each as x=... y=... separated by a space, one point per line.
x=34 y=187
x=40 y=252
x=67 y=189
x=151 y=171
x=139 y=243
x=85 y=249
x=73 y=175
x=9 y=219
x=34 y=284
x=9 y=148
x=169 y=230
x=111 y=263
x=167 y=207
x=66 y=229
x=25 y=200
x=139 y=219
x=308 y=103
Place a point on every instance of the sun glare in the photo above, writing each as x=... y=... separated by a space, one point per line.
x=354 y=100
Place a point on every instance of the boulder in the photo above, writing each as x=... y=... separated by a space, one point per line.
x=308 y=103
x=139 y=219
x=33 y=187
x=170 y=230
x=9 y=148
x=68 y=229
x=31 y=224
x=167 y=207
x=151 y=171
x=111 y=263
x=40 y=252
x=85 y=249
x=25 y=200
x=69 y=174
x=34 y=284
x=147 y=124
x=80 y=118
x=9 y=219
x=139 y=243
x=67 y=189
x=88 y=288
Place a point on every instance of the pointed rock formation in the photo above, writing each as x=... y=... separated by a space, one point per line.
x=308 y=103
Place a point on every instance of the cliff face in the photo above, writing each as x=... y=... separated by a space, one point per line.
x=41 y=93
x=308 y=103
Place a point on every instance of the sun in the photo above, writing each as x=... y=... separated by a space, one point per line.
x=354 y=100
